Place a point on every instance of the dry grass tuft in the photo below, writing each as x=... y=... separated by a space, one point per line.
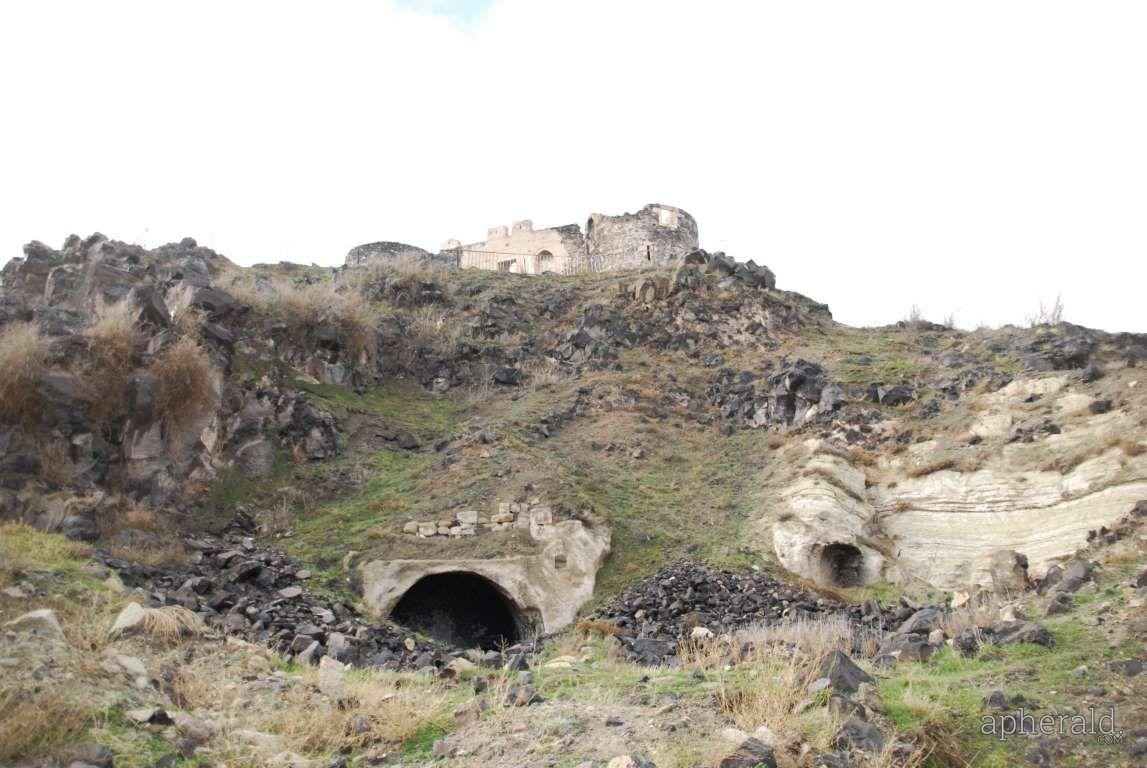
x=375 y=707
x=22 y=356
x=111 y=341
x=812 y=638
x=603 y=627
x=435 y=327
x=37 y=723
x=971 y=616
x=396 y=278
x=542 y=372
x=392 y=713
x=768 y=694
x=126 y=516
x=188 y=382
x=112 y=334
x=170 y=624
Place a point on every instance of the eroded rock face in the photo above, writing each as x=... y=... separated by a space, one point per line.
x=546 y=588
x=826 y=533
x=936 y=514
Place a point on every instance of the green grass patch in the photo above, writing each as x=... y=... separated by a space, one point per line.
x=321 y=536
x=420 y=746
x=669 y=504
x=24 y=548
x=399 y=403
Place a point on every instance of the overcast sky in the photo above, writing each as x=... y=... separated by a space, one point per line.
x=967 y=157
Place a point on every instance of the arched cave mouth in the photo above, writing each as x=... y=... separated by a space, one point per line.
x=462 y=609
x=842 y=565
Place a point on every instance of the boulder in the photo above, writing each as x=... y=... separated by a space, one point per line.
x=218 y=304
x=88 y=753
x=752 y=753
x=522 y=695
x=842 y=673
x=1075 y=574
x=922 y=622
x=129 y=620
x=860 y=735
x=1009 y=571
x=1010 y=632
x=1061 y=602
x=508 y=377
x=332 y=677
x=897 y=395
x=42 y=623
x=629 y=761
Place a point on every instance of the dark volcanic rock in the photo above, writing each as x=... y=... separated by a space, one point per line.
x=653 y=615
x=240 y=588
x=842 y=673
x=752 y=753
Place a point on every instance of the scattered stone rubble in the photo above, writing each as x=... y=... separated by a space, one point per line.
x=654 y=614
x=240 y=588
x=510 y=515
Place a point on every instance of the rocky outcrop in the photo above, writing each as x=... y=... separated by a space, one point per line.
x=924 y=515
x=799 y=393
x=386 y=251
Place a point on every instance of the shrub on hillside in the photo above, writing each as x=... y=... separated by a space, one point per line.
x=188 y=382
x=306 y=308
x=187 y=318
x=21 y=365
x=111 y=348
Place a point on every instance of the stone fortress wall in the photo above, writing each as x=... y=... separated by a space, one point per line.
x=655 y=235
x=360 y=255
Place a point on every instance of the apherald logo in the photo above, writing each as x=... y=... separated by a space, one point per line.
x=1091 y=723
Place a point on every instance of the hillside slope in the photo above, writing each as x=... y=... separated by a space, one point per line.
x=212 y=432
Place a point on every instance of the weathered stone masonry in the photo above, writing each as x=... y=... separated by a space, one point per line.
x=656 y=235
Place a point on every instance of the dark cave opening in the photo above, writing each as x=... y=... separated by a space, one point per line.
x=463 y=609
x=842 y=564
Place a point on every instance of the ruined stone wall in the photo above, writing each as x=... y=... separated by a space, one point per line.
x=524 y=250
x=360 y=255
x=656 y=235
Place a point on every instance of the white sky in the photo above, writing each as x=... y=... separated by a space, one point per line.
x=967 y=157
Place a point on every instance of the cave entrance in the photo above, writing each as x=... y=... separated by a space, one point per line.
x=463 y=609
x=842 y=565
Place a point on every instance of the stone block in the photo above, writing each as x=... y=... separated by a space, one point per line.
x=467 y=517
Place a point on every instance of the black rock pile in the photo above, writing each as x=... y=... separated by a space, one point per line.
x=260 y=594
x=788 y=396
x=652 y=615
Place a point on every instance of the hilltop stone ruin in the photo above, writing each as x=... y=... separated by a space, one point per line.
x=656 y=235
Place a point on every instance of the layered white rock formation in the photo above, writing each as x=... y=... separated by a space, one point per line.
x=935 y=512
